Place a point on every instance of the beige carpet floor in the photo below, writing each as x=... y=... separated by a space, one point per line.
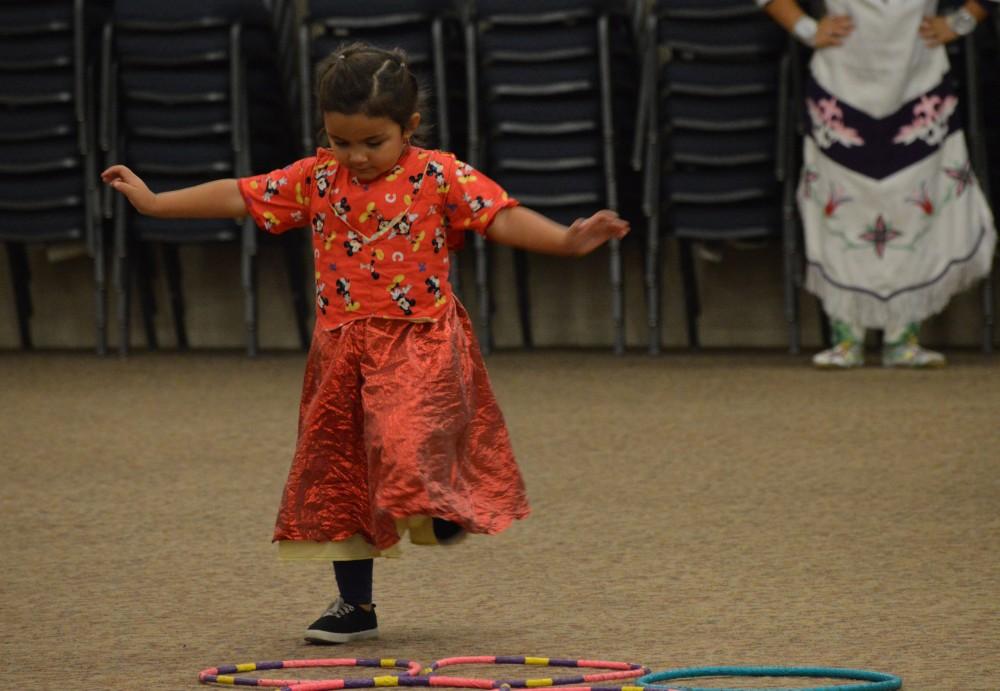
x=718 y=508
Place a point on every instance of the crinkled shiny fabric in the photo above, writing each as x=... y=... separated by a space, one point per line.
x=398 y=419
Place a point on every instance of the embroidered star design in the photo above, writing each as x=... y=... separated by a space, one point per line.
x=422 y=266
x=962 y=175
x=880 y=235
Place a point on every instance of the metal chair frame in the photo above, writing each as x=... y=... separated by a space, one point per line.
x=473 y=28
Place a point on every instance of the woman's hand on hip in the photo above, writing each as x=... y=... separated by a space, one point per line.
x=832 y=30
x=936 y=32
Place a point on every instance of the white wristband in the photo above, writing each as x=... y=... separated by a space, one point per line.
x=805 y=30
x=961 y=21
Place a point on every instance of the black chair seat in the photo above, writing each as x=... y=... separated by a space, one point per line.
x=320 y=9
x=722 y=148
x=36 y=15
x=185 y=231
x=588 y=184
x=504 y=150
x=725 y=186
x=705 y=9
x=36 y=83
x=43 y=226
x=486 y=9
x=201 y=150
x=715 y=114
x=755 y=36
x=36 y=50
x=416 y=42
x=535 y=44
x=141 y=11
x=36 y=123
x=199 y=45
x=51 y=154
x=721 y=80
x=45 y=188
x=718 y=222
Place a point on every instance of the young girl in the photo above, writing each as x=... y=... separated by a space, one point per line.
x=398 y=427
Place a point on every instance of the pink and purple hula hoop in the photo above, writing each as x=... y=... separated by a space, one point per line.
x=224 y=674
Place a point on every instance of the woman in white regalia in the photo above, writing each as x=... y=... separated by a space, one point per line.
x=895 y=221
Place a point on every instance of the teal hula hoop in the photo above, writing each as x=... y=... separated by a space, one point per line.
x=874 y=681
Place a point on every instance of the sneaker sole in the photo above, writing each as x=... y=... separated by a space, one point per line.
x=329 y=637
x=929 y=365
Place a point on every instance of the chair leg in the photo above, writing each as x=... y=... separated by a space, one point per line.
x=523 y=297
x=653 y=277
x=988 y=308
x=147 y=297
x=692 y=304
x=825 y=333
x=617 y=296
x=20 y=276
x=250 y=287
x=172 y=268
x=293 y=249
x=484 y=299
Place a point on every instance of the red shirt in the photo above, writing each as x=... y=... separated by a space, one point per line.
x=381 y=246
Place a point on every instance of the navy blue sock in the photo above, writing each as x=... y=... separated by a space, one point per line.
x=354 y=578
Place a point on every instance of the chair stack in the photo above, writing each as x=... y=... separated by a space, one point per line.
x=541 y=124
x=415 y=26
x=976 y=70
x=715 y=114
x=193 y=95
x=48 y=161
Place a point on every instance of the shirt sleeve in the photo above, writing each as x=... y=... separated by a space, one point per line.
x=473 y=201
x=279 y=200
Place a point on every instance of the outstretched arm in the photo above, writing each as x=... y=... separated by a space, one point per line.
x=215 y=199
x=526 y=229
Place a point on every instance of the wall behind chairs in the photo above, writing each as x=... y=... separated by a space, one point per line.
x=742 y=303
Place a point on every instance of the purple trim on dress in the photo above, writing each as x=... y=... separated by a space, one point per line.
x=907 y=289
x=880 y=147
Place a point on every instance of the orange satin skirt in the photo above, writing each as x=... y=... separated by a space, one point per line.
x=397 y=420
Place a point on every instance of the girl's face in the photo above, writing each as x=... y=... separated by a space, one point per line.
x=367 y=146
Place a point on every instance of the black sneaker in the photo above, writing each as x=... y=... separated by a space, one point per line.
x=342 y=622
x=447 y=532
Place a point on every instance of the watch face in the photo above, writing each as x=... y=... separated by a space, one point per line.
x=962 y=22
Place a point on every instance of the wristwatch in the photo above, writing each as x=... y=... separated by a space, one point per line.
x=961 y=22
x=805 y=30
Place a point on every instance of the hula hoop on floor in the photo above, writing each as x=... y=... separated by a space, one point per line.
x=620 y=670
x=874 y=681
x=223 y=674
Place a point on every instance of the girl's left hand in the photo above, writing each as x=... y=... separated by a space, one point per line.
x=587 y=234
x=936 y=32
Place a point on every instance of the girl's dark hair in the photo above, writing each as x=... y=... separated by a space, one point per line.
x=360 y=78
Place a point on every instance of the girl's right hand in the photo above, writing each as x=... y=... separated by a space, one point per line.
x=832 y=30
x=120 y=178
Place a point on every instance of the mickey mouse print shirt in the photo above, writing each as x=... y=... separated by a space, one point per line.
x=380 y=246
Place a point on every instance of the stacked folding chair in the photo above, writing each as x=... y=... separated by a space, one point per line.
x=714 y=113
x=541 y=124
x=48 y=164
x=416 y=26
x=193 y=94
x=975 y=61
